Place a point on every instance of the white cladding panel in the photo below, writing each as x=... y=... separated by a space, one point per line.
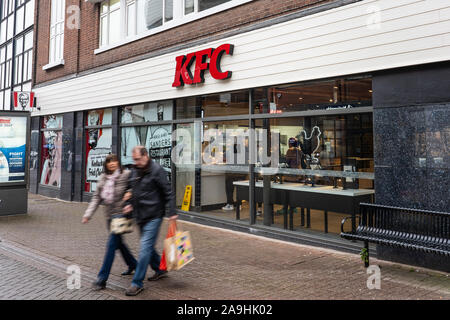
x=365 y=36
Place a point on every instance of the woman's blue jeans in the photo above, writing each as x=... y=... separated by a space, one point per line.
x=115 y=242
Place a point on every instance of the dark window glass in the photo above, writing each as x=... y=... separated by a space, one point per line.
x=335 y=141
x=207 y=4
x=334 y=94
x=215 y=105
x=309 y=154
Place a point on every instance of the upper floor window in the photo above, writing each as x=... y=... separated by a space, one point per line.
x=110 y=22
x=191 y=6
x=153 y=13
x=7 y=7
x=57 y=31
x=122 y=20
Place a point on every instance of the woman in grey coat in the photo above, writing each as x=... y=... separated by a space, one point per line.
x=111 y=190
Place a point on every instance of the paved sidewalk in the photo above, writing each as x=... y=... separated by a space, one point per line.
x=228 y=265
x=20 y=281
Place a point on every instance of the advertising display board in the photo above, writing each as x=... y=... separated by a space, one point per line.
x=14 y=143
x=13 y=131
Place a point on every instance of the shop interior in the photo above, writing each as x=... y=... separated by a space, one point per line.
x=341 y=142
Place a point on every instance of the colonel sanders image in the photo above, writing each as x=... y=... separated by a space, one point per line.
x=93 y=120
x=51 y=170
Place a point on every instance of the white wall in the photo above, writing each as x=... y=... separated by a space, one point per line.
x=341 y=41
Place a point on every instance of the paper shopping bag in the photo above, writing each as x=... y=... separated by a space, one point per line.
x=178 y=250
x=170 y=233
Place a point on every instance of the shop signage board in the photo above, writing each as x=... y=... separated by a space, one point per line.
x=183 y=74
x=23 y=100
x=14 y=141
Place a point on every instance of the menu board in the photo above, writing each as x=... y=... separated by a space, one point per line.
x=13 y=132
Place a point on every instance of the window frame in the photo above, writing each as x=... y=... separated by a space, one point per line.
x=178 y=19
x=107 y=15
x=56 y=22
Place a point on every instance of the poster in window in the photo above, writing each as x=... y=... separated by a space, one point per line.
x=151 y=137
x=98 y=146
x=159 y=145
x=51 y=151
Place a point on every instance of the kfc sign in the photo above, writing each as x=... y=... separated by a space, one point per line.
x=183 y=73
x=23 y=99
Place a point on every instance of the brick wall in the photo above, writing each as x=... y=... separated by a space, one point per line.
x=86 y=40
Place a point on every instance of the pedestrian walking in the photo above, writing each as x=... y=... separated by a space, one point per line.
x=151 y=199
x=112 y=192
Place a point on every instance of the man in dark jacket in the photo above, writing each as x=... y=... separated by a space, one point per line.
x=151 y=198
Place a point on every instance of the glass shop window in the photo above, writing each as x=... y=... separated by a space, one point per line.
x=329 y=158
x=51 y=152
x=323 y=95
x=98 y=145
x=156 y=138
x=214 y=105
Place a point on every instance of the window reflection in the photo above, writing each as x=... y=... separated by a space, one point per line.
x=335 y=94
x=215 y=105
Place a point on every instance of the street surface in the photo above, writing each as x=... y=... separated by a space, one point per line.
x=37 y=249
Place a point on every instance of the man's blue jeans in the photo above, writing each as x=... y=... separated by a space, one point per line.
x=115 y=242
x=147 y=254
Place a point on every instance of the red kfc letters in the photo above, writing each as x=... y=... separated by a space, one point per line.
x=183 y=74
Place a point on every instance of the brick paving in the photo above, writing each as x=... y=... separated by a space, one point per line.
x=20 y=281
x=228 y=265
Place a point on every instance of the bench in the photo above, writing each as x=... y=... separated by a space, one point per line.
x=421 y=230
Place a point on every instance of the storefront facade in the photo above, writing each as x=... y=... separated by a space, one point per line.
x=280 y=128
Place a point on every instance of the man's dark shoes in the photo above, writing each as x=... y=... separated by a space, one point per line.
x=133 y=291
x=128 y=272
x=158 y=275
x=98 y=285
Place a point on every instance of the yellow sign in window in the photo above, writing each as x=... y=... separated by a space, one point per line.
x=187 y=198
